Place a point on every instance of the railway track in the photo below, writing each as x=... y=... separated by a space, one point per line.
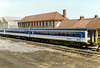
x=77 y=51
x=84 y=52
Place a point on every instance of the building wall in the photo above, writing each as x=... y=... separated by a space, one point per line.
x=1 y=24
x=5 y=23
x=37 y=24
x=12 y=24
x=9 y=23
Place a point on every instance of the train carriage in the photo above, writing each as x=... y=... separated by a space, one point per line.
x=83 y=36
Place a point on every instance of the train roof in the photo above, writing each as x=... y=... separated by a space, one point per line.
x=86 y=28
x=77 y=28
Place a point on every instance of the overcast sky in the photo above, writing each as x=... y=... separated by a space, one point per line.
x=74 y=8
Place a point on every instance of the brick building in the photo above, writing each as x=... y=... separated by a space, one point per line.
x=46 y=20
x=82 y=22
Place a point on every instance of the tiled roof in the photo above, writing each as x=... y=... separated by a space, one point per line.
x=81 y=23
x=95 y=23
x=67 y=23
x=88 y=22
x=45 y=16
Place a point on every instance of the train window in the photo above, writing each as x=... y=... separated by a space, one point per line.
x=73 y=34
x=77 y=34
x=82 y=34
x=1 y=30
x=51 y=33
x=59 y=33
x=39 y=32
x=55 y=33
x=98 y=33
x=42 y=33
x=63 y=33
x=36 y=32
x=45 y=33
x=67 y=33
x=88 y=33
x=48 y=33
x=30 y=32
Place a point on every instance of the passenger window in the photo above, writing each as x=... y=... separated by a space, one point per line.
x=48 y=33
x=51 y=33
x=73 y=34
x=63 y=33
x=55 y=33
x=88 y=33
x=77 y=34
x=59 y=33
x=42 y=33
x=98 y=33
x=67 y=34
x=39 y=32
x=30 y=32
x=36 y=32
x=45 y=33
x=82 y=34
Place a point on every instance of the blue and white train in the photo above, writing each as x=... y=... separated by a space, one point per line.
x=83 y=36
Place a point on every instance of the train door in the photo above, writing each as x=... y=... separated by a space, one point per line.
x=93 y=37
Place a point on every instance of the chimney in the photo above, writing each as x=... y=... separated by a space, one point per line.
x=81 y=17
x=64 y=14
x=96 y=16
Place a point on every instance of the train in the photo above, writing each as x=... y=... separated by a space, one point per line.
x=72 y=36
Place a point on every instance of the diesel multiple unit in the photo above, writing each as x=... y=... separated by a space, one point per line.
x=80 y=36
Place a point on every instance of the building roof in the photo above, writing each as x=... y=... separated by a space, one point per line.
x=95 y=23
x=1 y=19
x=86 y=22
x=45 y=16
x=13 y=18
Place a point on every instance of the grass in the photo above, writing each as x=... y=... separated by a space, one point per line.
x=98 y=41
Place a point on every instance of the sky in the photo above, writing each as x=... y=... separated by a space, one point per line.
x=74 y=8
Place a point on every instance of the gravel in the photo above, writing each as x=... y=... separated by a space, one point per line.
x=19 y=46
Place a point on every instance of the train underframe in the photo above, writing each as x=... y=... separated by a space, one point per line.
x=51 y=41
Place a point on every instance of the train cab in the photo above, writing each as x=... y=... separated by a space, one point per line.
x=92 y=37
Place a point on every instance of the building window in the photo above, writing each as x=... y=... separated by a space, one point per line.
x=33 y=23
x=48 y=23
x=18 y=24
x=21 y=24
x=38 y=23
x=30 y=23
x=27 y=24
x=44 y=23
x=52 y=23
x=41 y=23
